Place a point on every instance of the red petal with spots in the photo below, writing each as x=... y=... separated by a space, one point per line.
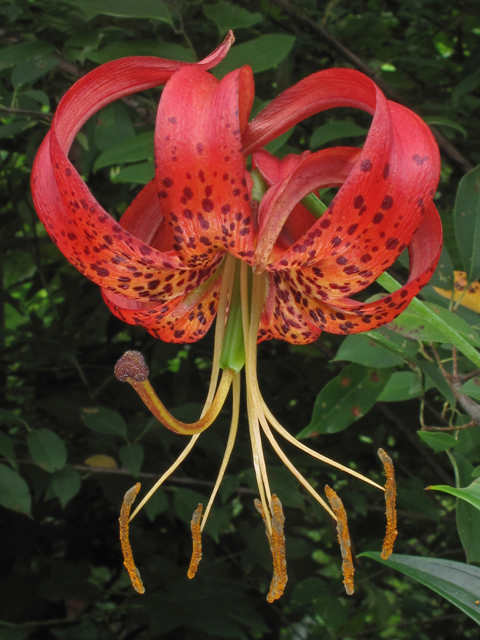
x=200 y=170
x=382 y=199
x=90 y=238
x=185 y=319
x=295 y=293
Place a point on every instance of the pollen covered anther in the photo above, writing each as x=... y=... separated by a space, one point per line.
x=197 y=541
x=343 y=538
x=128 y=560
x=390 y=497
x=276 y=540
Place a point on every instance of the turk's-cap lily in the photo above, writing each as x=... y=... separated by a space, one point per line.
x=254 y=248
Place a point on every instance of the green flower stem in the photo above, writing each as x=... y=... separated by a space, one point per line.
x=233 y=348
x=314 y=205
x=391 y=285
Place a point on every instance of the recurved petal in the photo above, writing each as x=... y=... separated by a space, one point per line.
x=201 y=179
x=183 y=319
x=303 y=292
x=91 y=239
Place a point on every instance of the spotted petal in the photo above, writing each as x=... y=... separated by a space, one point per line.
x=87 y=235
x=202 y=183
x=298 y=308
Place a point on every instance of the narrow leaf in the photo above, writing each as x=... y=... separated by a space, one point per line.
x=438 y=441
x=358 y=348
x=335 y=130
x=457 y=582
x=131 y=150
x=403 y=385
x=467 y=223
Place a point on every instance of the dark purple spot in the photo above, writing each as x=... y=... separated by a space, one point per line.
x=172 y=120
x=386 y=171
x=358 y=202
x=377 y=218
x=207 y=205
x=188 y=193
x=68 y=172
x=387 y=203
x=201 y=176
x=325 y=223
x=226 y=209
x=352 y=229
x=204 y=240
x=341 y=260
x=199 y=148
x=417 y=159
x=167 y=182
x=365 y=258
x=208 y=190
x=391 y=243
x=366 y=165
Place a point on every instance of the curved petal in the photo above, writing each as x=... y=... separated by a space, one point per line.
x=310 y=302
x=376 y=211
x=85 y=233
x=200 y=170
x=184 y=319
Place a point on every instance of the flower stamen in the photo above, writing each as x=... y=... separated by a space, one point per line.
x=390 y=498
x=128 y=560
x=197 y=541
x=343 y=538
x=276 y=540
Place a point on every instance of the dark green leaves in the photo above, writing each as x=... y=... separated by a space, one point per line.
x=261 y=54
x=125 y=8
x=467 y=223
x=105 y=421
x=346 y=398
x=228 y=16
x=14 y=492
x=335 y=130
x=47 y=450
x=438 y=441
x=455 y=581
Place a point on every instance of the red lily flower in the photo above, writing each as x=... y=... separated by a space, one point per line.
x=184 y=250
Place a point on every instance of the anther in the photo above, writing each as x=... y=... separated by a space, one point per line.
x=390 y=497
x=343 y=538
x=197 y=541
x=128 y=560
x=132 y=365
x=276 y=541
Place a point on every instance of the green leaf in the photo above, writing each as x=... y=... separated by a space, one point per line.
x=105 y=421
x=30 y=70
x=113 y=126
x=443 y=274
x=6 y=449
x=47 y=450
x=467 y=223
x=346 y=398
x=14 y=491
x=335 y=130
x=158 y=48
x=471 y=388
x=157 y=504
x=140 y=173
x=468 y=517
x=22 y=52
x=446 y=122
x=358 y=348
x=132 y=456
x=402 y=385
x=438 y=441
x=433 y=372
x=396 y=343
x=228 y=16
x=470 y=494
x=126 y=8
x=455 y=581
x=66 y=484
x=265 y=52
x=130 y=150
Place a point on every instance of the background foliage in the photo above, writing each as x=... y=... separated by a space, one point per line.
x=73 y=439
